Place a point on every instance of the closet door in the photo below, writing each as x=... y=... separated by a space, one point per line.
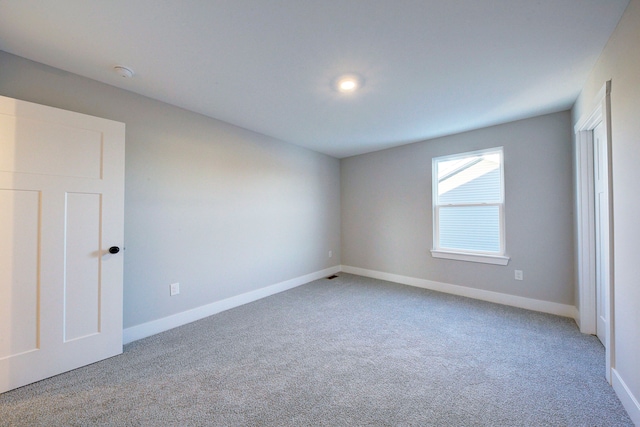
x=61 y=237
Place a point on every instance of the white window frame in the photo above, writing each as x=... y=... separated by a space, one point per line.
x=498 y=258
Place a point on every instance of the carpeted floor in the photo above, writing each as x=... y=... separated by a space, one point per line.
x=345 y=352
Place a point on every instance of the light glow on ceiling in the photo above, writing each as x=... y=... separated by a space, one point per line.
x=348 y=83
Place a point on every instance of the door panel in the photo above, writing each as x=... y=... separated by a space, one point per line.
x=77 y=151
x=19 y=234
x=602 y=231
x=62 y=207
x=82 y=265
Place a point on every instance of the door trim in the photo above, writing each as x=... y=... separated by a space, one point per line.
x=585 y=221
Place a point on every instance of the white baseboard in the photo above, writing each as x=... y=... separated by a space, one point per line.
x=576 y=317
x=144 y=330
x=496 y=297
x=627 y=398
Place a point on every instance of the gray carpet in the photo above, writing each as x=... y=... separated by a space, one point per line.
x=345 y=352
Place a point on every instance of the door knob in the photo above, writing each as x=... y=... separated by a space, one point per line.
x=114 y=250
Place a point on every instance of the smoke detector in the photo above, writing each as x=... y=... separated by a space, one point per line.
x=122 y=71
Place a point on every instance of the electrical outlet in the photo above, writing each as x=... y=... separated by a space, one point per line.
x=330 y=254
x=519 y=275
x=174 y=289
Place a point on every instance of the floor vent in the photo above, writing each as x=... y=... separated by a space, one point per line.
x=332 y=277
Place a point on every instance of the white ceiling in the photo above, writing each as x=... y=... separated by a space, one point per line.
x=430 y=67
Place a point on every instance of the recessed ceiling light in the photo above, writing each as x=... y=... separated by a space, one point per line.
x=348 y=83
x=122 y=71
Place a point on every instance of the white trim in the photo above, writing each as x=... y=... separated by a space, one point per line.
x=480 y=294
x=153 y=327
x=585 y=212
x=627 y=398
x=585 y=234
x=486 y=259
x=576 y=316
x=594 y=116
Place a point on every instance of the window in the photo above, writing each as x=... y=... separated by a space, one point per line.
x=468 y=207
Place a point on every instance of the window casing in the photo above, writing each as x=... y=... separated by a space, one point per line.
x=468 y=207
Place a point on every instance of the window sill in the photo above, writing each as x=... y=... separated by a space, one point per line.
x=460 y=256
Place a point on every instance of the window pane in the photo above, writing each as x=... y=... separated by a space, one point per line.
x=474 y=228
x=473 y=179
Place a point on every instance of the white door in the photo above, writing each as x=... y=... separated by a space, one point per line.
x=601 y=187
x=61 y=209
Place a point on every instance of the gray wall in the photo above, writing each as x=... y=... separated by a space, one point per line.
x=387 y=215
x=620 y=63
x=220 y=209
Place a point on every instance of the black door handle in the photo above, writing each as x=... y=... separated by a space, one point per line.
x=114 y=250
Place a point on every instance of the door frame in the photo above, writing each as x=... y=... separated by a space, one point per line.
x=585 y=218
